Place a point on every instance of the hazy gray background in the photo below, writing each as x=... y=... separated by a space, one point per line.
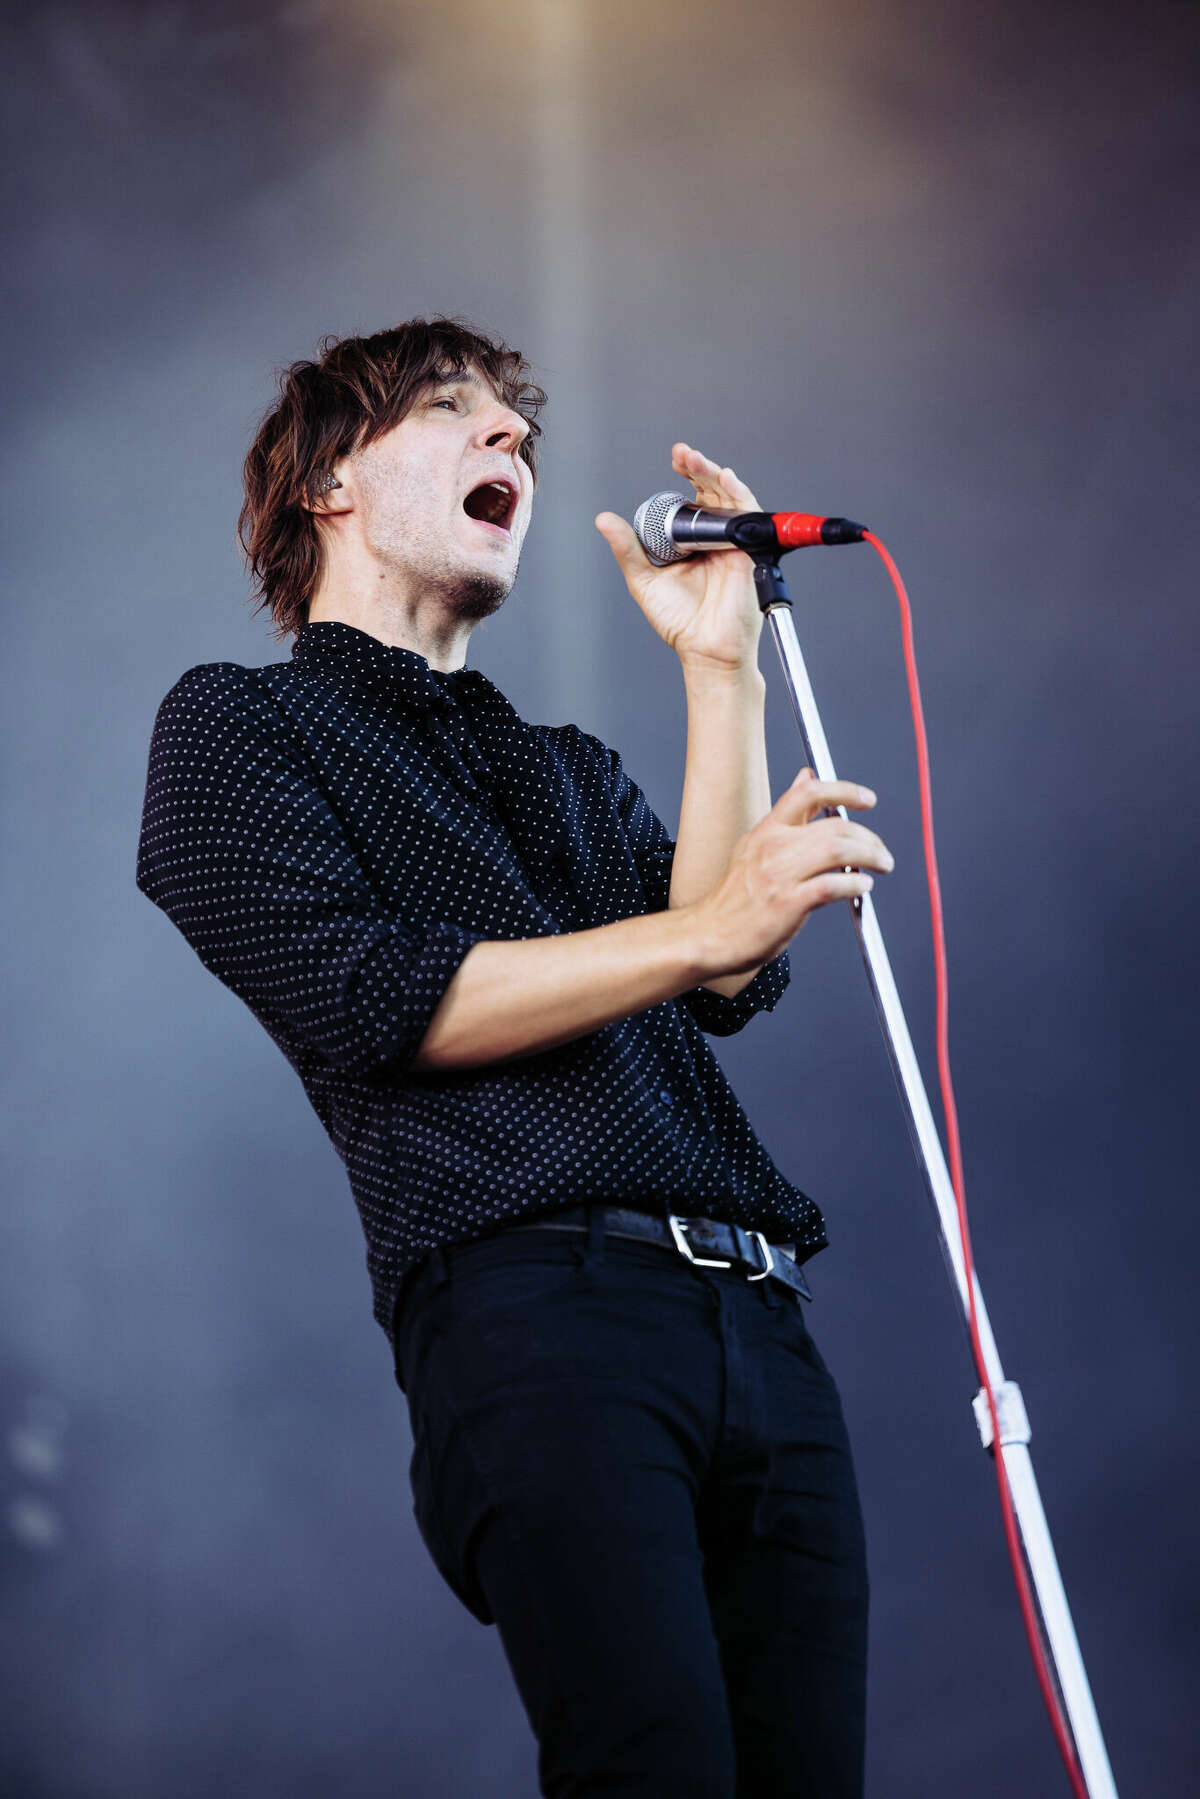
x=931 y=265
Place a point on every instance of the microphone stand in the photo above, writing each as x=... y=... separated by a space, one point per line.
x=775 y=603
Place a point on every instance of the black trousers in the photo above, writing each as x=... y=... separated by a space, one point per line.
x=639 y=1471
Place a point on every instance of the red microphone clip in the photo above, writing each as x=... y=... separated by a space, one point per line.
x=798 y=530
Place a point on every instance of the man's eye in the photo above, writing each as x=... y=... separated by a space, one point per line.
x=446 y=402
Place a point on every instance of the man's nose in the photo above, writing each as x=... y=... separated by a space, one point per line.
x=505 y=430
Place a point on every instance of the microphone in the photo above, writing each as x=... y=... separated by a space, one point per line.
x=670 y=529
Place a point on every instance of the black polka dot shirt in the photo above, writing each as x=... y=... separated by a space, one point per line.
x=332 y=834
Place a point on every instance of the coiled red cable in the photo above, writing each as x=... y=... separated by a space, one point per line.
x=1028 y=1612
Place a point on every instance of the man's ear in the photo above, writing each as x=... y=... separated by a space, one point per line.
x=330 y=492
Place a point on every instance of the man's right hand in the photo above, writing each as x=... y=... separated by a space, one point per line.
x=788 y=865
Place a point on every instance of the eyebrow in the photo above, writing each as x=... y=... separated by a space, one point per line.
x=454 y=378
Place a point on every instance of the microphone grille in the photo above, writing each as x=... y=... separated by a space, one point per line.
x=652 y=523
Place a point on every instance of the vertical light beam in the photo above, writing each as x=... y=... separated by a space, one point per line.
x=564 y=351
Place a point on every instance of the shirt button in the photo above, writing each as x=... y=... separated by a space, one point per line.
x=665 y=1096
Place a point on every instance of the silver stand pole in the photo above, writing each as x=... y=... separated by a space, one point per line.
x=1059 y=1631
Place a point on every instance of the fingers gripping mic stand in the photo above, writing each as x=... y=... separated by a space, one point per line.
x=775 y=603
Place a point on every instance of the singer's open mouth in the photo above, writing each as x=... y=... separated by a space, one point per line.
x=492 y=503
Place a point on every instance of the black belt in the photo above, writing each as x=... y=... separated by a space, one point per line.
x=702 y=1241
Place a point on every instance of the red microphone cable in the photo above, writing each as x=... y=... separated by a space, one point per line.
x=1045 y=1681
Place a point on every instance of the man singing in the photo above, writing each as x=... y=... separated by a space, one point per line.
x=493 y=972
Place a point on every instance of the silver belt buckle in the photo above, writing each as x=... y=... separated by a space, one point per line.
x=685 y=1248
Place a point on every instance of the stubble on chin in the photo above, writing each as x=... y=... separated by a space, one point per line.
x=477 y=595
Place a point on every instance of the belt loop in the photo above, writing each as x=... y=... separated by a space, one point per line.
x=439 y=1272
x=595 y=1239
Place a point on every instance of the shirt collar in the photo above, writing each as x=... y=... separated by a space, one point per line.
x=330 y=646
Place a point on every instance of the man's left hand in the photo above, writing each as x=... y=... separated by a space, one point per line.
x=705 y=608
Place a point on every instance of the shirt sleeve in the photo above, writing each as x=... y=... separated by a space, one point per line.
x=243 y=852
x=654 y=853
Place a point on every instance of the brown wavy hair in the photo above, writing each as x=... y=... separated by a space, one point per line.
x=358 y=389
